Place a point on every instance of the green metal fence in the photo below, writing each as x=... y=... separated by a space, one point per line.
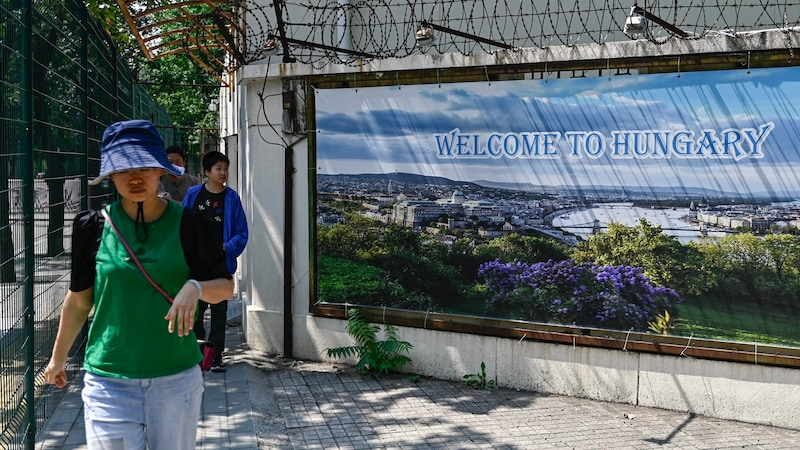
x=62 y=83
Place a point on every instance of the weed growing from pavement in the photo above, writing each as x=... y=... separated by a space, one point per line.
x=479 y=380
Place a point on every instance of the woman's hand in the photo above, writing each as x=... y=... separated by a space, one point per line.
x=77 y=306
x=181 y=313
x=55 y=373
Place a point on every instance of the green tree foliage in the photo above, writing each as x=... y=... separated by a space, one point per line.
x=185 y=91
x=353 y=239
x=341 y=206
x=399 y=239
x=432 y=275
x=765 y=270
x=344 y=281
x=357 y=283
x=109 y=15
x=176 y=82
x=783 y=253
x=664 y=260
x=529 y=249
x=399 y=253
x=420 y=274
x=433 y=249
x=740 y=259
x=462 y=256
x=406 y=260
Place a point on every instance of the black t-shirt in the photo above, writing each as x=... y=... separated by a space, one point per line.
x=211 y=207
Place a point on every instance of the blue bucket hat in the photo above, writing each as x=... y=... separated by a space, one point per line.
x=133 y=144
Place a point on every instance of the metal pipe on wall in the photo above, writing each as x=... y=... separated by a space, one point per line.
x=288 y=236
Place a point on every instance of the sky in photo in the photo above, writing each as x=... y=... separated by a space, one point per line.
x=734 y=131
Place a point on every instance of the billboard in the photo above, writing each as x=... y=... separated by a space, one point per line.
x=707 y=157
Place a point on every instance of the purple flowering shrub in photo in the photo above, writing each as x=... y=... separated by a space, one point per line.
x=567 y=293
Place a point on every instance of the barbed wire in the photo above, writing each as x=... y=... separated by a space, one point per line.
x=352 y=31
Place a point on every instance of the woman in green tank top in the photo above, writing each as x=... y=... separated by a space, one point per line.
x=143 y=386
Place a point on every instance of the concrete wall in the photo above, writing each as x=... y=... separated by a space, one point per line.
x=749 y=393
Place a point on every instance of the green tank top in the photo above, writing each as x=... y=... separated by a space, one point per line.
x=128 y=336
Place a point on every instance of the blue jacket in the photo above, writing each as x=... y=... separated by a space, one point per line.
x=234 y=223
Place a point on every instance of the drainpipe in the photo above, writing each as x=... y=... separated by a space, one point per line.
x=288 y=237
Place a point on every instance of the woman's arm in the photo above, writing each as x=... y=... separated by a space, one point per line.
x=74 y=313
x=180 y=316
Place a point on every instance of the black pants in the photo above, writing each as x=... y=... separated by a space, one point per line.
x=219 y=315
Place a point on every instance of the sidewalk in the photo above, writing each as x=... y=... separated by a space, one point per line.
x=265 y=402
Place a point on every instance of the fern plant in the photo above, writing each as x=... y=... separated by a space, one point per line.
x=374 y=356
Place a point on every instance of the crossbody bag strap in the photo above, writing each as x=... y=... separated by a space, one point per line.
x=135 y=259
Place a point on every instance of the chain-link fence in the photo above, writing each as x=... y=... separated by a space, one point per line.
x=62 y=83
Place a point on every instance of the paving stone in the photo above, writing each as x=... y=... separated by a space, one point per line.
x=265 y=402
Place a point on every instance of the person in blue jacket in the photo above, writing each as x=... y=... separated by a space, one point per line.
x=220 y=205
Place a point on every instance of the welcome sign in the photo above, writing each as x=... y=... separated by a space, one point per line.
x=732 y=133
x=737 y=144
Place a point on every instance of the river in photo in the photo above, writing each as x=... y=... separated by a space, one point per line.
x=673 y=221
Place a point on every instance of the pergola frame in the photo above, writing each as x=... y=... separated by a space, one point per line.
x=195 y=27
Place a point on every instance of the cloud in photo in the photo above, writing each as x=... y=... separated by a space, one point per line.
x=395 y=128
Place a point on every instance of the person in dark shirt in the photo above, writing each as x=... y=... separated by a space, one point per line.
x=221 y=206
x=174 y=186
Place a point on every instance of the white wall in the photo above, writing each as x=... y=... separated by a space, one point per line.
x=732 y=391
x=749 y=393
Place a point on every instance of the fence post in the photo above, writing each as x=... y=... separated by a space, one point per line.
x=84 y=199
x=26 y=108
